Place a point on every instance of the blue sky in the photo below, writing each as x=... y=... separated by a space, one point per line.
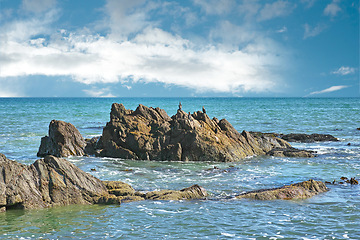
x=188 y=48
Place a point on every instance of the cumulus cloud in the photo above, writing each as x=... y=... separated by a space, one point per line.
x=276 y=9
x=330 y=89
x=344 y=71
x=313 y=31
x=136 y=50
x=332 y=9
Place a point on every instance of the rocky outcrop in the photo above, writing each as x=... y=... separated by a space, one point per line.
x=64 y=140
x=53 y=181
x=120 y=192
x=296 y=191
x=149 y=133
x=47 y=182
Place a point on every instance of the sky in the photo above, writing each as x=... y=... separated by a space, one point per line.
x=187 y=48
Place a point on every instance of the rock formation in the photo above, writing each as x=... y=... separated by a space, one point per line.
x=64 y=140
x=47 y=182
x=296 y=191
x=149 y=133
x=53 y=181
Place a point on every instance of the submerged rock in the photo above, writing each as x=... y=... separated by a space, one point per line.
x=63 y=140
x=150 y=134
x=295 y=191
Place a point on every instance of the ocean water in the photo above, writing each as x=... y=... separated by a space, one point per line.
x=331 y=215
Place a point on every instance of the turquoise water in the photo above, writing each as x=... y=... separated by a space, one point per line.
x=332 y=215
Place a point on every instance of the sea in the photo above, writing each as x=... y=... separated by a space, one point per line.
x=331 y=215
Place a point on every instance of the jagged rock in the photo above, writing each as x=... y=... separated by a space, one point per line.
x=47 y=182
x=149 y=133
x=296 y=191
x=308 y=138
x=53 y=181
x=63 y=140
x=193 y=192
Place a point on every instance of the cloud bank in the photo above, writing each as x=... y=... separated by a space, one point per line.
x=139 y=50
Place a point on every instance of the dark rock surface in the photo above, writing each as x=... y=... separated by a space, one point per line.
x=308 y=138
x=300 y=137
x=149 y=133
x=295 y=191
x=290 y=152
x=64 y=140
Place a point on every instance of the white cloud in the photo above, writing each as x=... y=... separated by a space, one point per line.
x=344 y=71
x=150 y=55
x=330 y=89
x=332 y=9
x=313 y=31
x=276 y=9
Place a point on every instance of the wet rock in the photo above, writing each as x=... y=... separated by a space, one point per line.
x=193 y=192
x=53 y=181
x=290 y=152
x=308 y=138
x=47 y=182
x=296 y=191
x=150 y=134
x=91 y=145
x=63 y=140
x=353 y=181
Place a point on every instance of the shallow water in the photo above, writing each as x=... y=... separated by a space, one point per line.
x=331 y=215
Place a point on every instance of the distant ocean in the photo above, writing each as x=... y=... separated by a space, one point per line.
x=331 y=215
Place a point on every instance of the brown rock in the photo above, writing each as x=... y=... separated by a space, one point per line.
x=296 y=191
x=63 y=140
x=290 y=152
x=150 y=134
x=47 y=182
x=193 y=192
